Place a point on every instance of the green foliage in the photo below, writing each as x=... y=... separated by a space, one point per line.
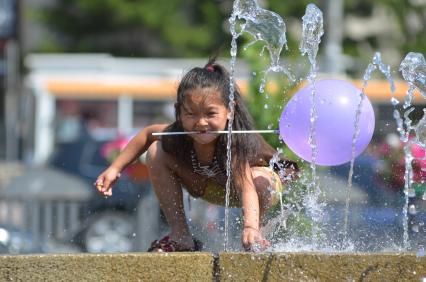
x=145 y=28
x=191 y=28
x=407 y=12
x=289 y=220
x=266 y=107
x=410 y=18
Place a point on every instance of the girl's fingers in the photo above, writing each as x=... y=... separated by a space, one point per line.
x=104 y=184
x=107 y=185
x=251 y=239
x=244 y=239
x=254 y=241
x=99 y=184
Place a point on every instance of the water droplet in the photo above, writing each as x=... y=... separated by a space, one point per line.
x=394 y=101
x=415 y=228
x=412 y=209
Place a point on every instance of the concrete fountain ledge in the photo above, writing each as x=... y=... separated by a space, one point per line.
x=210 y=267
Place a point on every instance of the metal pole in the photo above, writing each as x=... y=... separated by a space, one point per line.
x=12 y=100
x=334 y=36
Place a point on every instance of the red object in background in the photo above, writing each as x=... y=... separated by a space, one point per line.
x=419 y=163
x=110 y=151
x=391 y=172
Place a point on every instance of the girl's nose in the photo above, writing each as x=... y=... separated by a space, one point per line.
x=202 y=121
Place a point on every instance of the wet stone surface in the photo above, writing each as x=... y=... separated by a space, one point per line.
x=321 y=267
x=205 y=267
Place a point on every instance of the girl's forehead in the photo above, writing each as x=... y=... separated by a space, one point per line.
x=207 y=95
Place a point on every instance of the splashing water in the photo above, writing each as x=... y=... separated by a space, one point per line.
x=413 y=69
x=386 y=71
x=312 y=32
x=263 y=25
x=420 y=130
x=311 y=38
x=230 y=124
x=269 y=28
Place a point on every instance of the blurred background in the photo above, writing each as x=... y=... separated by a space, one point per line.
x=79 y=78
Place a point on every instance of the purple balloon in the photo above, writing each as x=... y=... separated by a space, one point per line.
x=336 y=104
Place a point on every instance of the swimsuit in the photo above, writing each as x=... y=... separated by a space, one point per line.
x=214 y=192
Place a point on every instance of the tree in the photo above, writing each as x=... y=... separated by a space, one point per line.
x=166 y=28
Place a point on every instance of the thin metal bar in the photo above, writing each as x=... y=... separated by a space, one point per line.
x=35 y=219
x=73 y=209
x=48 y=219
x=60 y=220
x=215 y=132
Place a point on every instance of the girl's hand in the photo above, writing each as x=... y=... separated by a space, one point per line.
x=253 y=240
x=106 y=180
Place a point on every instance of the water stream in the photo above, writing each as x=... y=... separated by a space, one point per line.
x=386 y=71
x=413 y=70
x=269 y=28
x=264 y=26
x=312 y=32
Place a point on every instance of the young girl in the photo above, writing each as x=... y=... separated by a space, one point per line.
x=197 y=162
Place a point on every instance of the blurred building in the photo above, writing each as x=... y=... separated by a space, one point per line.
x=9 y=78
x=105 y=94
x=25 y=34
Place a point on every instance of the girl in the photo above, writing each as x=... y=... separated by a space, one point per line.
x=197 y=162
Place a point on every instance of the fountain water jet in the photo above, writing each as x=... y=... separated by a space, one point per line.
x=311 y=38
x=386 y=70
x=265 y=26
x=413 y=70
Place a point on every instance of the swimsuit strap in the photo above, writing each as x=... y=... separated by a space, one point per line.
x=212 y=170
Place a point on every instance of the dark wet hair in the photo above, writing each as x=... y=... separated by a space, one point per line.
x=250 y=148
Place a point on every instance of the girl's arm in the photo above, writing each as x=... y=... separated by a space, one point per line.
x=251 y=212
x=137 y=146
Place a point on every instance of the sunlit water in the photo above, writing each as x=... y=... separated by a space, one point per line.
x=413 y=70
x=269 y=28
x=264 y=26
x=312 y=31
x=386 y=71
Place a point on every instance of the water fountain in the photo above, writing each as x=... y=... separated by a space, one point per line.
x=285 y=264
x=268 y=27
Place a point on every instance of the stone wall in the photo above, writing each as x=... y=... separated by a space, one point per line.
x=210 y=267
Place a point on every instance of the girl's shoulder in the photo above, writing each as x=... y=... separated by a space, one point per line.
x=160 y=127
x=153 y=128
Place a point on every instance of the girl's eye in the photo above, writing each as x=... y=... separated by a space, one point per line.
x=211 y=113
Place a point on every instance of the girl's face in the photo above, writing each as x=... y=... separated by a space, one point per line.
x=203 y=111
